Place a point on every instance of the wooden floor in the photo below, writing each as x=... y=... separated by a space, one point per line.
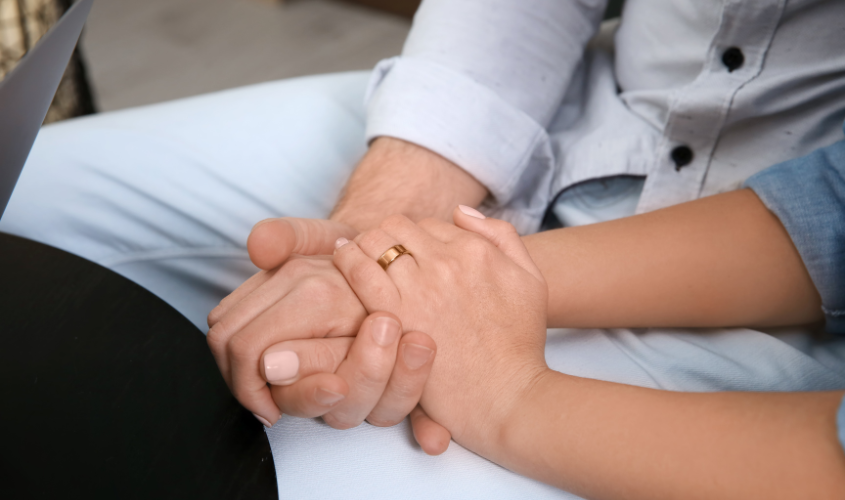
x=140 y=52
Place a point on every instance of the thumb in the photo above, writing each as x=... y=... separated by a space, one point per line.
x=273 y=241
x=432 y=437
x=499 y=233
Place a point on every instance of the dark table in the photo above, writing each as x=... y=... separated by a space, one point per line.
x=108 y=392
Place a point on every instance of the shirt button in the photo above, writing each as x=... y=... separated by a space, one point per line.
x=733 y=58
x=681 y=156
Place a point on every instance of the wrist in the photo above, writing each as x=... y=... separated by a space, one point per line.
x=517 y=435
x=397 y=177
x=500 y=429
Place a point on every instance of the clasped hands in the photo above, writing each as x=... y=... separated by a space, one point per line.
x=453 y=334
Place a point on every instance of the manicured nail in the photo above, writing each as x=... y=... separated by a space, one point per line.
x=262 y=420
x=326 y=397
x=471 y=212
x=385 y=330
x=416 y=355
x=281 y=366
x=340 y=242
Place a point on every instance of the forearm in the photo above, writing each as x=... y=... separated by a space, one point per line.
x=397 y=177
x=606 y=440
x=724 y=260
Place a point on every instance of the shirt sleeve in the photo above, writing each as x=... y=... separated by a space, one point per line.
x=478 y=82
x=808 y=196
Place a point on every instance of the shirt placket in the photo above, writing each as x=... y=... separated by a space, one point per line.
x=698 y=112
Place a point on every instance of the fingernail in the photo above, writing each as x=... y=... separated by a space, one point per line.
x=263 y=420
x=471 y=212
x=416 y=355
x=326 y=397
x=281 y=366
x=340 y=242
x=385 y=330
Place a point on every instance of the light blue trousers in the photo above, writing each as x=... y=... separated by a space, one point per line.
x=166 y=195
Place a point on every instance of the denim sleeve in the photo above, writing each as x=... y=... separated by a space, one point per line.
x=840 y=423
x=808 y=196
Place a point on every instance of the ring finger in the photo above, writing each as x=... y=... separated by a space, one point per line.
x=377 y=243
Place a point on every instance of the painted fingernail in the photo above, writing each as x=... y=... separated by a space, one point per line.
x=281 y=366
x=385 y=330
x=471 y=212
x=263 y=420
x=326 y=397
x=416 y=355
x=340 y=242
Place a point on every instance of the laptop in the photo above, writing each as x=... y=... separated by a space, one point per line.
x=26 y=94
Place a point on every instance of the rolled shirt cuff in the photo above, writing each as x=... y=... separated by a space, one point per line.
x=446 y=112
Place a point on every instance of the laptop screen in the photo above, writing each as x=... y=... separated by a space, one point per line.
x=26 y=94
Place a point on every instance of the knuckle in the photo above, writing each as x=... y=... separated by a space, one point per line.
x=374 y=374
x=214 y=316
x=405 y=390
x=393 y=221
x=476 y=245
x=370 y=238
x=361 y=272
x=322 y=358
x=319 y=287
x=297 y=266
x=428 y=222
x=242 y=349
x=217 y=337
x=348 y=321
x=241 y=394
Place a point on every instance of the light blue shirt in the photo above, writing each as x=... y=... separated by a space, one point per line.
x=517 y=94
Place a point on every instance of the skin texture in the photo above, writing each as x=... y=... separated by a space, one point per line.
x=297 y=297
x=491 y=389
x=459 y=277
x=723 y=260
x=673 y=261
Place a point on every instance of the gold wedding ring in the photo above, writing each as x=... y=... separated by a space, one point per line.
x=392 y=254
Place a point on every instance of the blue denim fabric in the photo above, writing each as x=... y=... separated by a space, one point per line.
x=808 y=196
x=840 y=422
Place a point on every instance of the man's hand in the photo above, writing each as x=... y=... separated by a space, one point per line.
x=378 y=375
x=306 y=298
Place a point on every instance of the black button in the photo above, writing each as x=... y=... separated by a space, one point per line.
x=733 y=58
x=682 y=156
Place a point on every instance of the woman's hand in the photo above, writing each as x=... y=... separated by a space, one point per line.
x=476 y=291
x=300 y=328
x=306 y=298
